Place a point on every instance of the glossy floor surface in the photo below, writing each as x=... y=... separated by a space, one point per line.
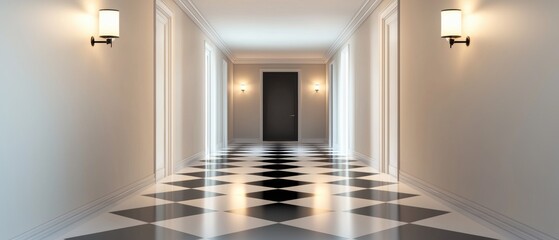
x=280 y=191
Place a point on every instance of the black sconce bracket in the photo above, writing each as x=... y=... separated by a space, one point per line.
x=452 y=41
x=109 y=41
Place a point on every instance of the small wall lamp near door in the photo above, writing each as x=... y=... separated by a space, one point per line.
x=451 y=26
x=316 y=87
x=243 y=87
x=109 y=26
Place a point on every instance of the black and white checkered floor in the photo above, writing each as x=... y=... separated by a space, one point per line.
x=280 y=191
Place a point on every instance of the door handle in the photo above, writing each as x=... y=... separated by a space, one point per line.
x=292 y=115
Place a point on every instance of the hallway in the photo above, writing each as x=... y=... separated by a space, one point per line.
x=279 y=191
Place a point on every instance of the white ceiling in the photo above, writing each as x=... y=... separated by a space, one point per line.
x=272 y=30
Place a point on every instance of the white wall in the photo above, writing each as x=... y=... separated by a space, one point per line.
x=77 y=121
x=364 y=62
x=189 y=83
x=481 y=121
x=247 y=108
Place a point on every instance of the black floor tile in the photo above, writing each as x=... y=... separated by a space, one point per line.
x=161 y=212
x=277 y=232
x=278 y=212
x=279 y=156
x=278 y=166
x=398 y=212
x=415 y=232
x=377 y=195
x=363 y=183
x=196 y=183
x=278 y=195
x=277 y=174
x=278 y=183
x=183 y=195
x=141 y=232
x=278 y=161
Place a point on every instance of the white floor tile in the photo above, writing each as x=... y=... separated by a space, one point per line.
x=240 y=178
x=101 y=223
x=344 y=224
x=213 y=224
x=224 y=203
x=459 y=223
x=234 y=189
x=323 y=189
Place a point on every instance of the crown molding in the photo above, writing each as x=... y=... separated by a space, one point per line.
x=192 y=11
x=280 y=61
x=364 y=12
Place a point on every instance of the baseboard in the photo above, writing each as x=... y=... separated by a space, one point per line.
x=65 y=222
x=313 y=140
x=185 y=162
x=370 y=161
x=160 y=173
x=246 y=140
x=503 y=224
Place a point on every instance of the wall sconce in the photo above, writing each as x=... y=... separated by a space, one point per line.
x=109 y=26
x=451 y=26
x=316 y=87
x=243 y=87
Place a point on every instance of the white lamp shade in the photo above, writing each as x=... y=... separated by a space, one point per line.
x=451 y=23
x=109 y=23
x=243 y=87
x=317 y=86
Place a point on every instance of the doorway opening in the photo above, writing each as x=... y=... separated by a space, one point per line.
x=163 y=92
x=389 y=92
x=280 y=105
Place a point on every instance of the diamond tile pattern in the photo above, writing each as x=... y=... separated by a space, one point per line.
x=279 y=191
x=278 y=212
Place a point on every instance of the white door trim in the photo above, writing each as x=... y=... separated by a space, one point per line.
x=299 y=100
x=162 y=10
x=385 y=120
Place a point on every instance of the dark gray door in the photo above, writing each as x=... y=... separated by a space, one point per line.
x=280 y=106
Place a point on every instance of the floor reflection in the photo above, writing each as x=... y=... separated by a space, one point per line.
x=280 y=191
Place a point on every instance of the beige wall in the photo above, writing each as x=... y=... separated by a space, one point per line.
x=481 y=121
x=364 y=58
x=247 y=108
x=76 y=121
x=189 y=83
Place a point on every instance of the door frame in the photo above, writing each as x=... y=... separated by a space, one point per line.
x=299 y=100
x=164 y=11
x=385 y=120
